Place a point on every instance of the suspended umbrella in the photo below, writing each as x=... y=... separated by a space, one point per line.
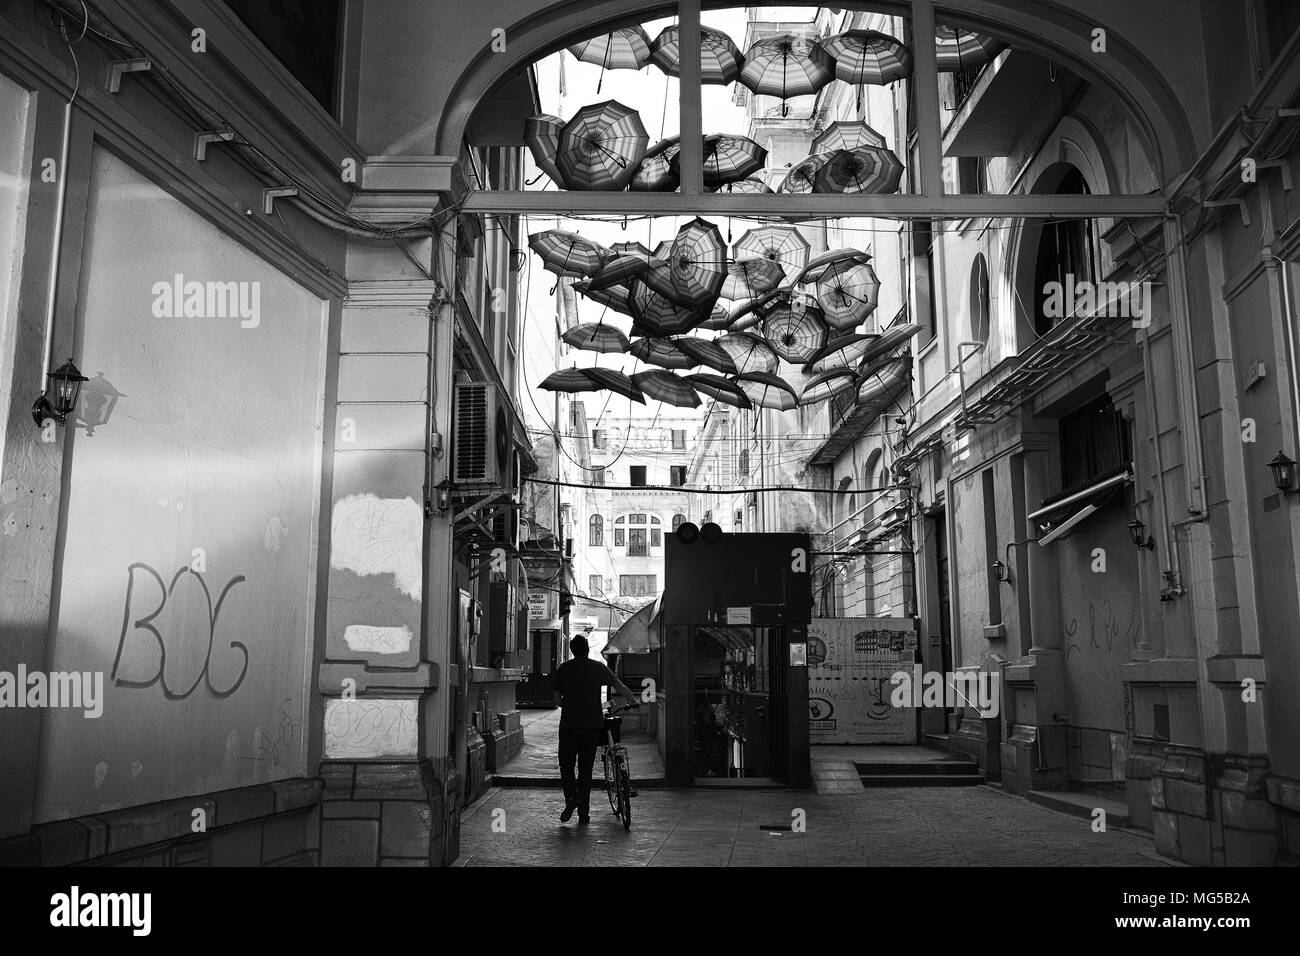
x=750 y=312
x=795 y=336
x=767 y=390
x=627 y=48
x=602 y=146
x=846 y=134
x=615 y=381
x=570 y=380
x=751 y=276
x=783 y=244
x=698 y=263
x=656 y=172
x=867 y=169
x=704 y=352
x=958 y=50
x=596 y=337
x=827 y=384
x=542 y=137
x=719 y=388
x=752 y=184
x=868 y=56
x=718 y=320
x=748 y=352
x=884 y=382
x=631 y=248
x=847 y=293
x=720 y=59
x=727 y=158
x=786 y=65
x=614 y=297
x=657 y=314
x=821 y=263
x=666 y=387
x=567 y=253
x=661 y=352
x=842 y=352
x=803 y=175
x=620 y=270
x=889 y=340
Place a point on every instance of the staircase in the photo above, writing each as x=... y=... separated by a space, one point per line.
x=946 y=772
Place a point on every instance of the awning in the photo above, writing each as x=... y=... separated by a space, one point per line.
x=1057 y=518
x=639 y=634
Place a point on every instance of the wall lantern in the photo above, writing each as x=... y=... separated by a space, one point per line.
x=1137 y=532
x=444 y=494
x=59 y=400
x=1003 y=571
x=1283 y=473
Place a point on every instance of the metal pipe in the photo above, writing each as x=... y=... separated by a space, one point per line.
x=1171 y=568
x=51 y=293
x=1288 y=327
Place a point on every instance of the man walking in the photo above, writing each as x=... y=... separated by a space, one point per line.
x=577 y=686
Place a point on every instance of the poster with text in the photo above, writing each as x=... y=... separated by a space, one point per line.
x=850 y=662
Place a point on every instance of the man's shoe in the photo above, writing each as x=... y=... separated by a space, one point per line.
x=584 y=818
x=567 y=815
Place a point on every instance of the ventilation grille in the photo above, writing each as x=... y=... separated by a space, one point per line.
x=473 y=443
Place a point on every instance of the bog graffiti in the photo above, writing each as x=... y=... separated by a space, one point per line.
x=134 y=647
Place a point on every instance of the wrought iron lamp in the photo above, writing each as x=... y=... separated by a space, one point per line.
x=59 y=400
x=1283 y=473
x=1137 y=531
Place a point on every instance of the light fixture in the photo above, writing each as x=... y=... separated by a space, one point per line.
x=1003 y=571
x=444 y=495
x=58 y=401
x=1137 y=531
x=1283 y=473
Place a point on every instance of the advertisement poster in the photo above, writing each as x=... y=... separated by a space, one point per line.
x=850 y=661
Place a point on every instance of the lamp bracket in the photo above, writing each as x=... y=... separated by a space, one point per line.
x=201 y=141
x=272 y=193
x=116 y=68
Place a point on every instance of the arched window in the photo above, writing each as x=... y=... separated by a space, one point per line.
x=677 y=521
x=638 y=532
x=1066 y=259
x=596 y=531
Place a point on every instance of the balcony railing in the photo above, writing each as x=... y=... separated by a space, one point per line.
x=637 y=549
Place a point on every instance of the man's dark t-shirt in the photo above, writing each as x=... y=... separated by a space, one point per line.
x=578 y=682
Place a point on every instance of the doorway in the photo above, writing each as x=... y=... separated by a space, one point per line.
x=738 y=703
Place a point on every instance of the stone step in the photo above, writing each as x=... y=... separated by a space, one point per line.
x=917 y=767
x=1079 y=804
x=923 y=780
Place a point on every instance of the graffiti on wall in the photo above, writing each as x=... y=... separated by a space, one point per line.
x=1104 y=628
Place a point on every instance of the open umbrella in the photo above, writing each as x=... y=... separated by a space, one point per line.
x=751 y=276
x=659 y=315
x=958 y=50
x=786 y=65
x=727 y=158
x=821 y=263
x=884 y=383
x=720 y=59
x=705 y=352
x=752 y=184
x=718 y=320
x=795 y=335
x=614 y=297
x=845 y=134
x=889 y=340
x=867 y=169
x=803 y=175
x=666 y=387
x=621 y=269
x=661 y=352
x=841 y=352
x=596 y=337
x=750 y=312
x=847 y=293
x=627 y=48
x=868 y=56
x=542 y=137
x=656 y=172
x=767 y=390
x=615 y=381
x=698 y=263
x=826 y=384
x=602 y=146
x=722 y=389
x=570 y=380
x=748 y=352
x=783 y=244
x=567 y=253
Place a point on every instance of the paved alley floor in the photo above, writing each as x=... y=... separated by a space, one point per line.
x=940 y=826
x=540 y=757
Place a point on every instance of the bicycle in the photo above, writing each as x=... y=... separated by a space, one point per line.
x=614 y=762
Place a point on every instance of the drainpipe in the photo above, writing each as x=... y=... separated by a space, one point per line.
x=1185 y=368
x=1172 y=573
x=1289 y=330
x=57 y=242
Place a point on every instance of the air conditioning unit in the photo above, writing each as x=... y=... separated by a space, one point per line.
x=482 y=449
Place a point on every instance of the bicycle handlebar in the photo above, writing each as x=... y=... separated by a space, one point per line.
x=618 y=710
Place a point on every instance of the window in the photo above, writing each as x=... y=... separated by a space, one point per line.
x=596 y=532
x=678 y=521
x=656 y=532
x=677 y=474
x=979 y=299
x=302 y=35
x=637 y=473
x=598 y=477
x=598 y=438
x=1095 y=444
x=637 y=585
x=1065 y=260
x=636 y=542
x=926 y=308
x=743 y=466
x=708 y=516
x=739 y=517
x=620 y=534
x=679 y=438
x=595 y=585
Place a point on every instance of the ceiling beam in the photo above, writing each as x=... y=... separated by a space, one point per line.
x=691 y=141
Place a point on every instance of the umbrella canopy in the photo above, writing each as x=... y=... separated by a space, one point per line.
x=615 y=381
x=718 y=320
x=661 y=352
x=748 y=352
x=795 y=335
x=751 y=185
x=615 y=297
x=542 y=137
x=867 y=56
x=627 y=48
x=767 y=390
x=666 y=387
x=567 y=253
x=720 y=59
x=957 y=50
x=884 y=382
x=698 y=263
x=602 y=146
x=570 y=380
x=659 y=315
x=596 y=337
x=867 y=169
x=786 y=65
x=783 y=244
x=722 y=389
x=656 y=172
x=826 y=384
x=749 y=312
x=847 y=293
x=704 y=352
x=751 y=276
x=727 y=158
x=821 y=263
x=844 y=351
x=803 y=175
x=890 y=340
x=620 y=270
x=843 y=134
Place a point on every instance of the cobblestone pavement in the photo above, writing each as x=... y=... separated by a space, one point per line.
x=540 y=756
x=940 y=826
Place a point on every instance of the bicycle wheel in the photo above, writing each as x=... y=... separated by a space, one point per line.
x=625 y=794
x=611 y=791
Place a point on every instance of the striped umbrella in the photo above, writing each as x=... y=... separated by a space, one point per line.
x=819 y=264
x=602 y=146
x=844 y=351
x=620 y=270
x=751 y=276
x=698 y=263
x=718 y=320
x=570 y=380
x=659 y=315
x=750 y=312
x=596 y=337
x=661 y=352
x=666 y=387
x=826 y=384
x=885 y=382
x=803 y=174
x=845 y=134
x=867 y=56
x=889 y=340
x=958 y=50
x=615 y=381
x=627 y=48
x=704 y=352
x=847 y=293
x=656 y=172
x=748 y=352
x=867 y=169
x=795 y=335
x=542 y=137
x=567 y=253
x=727 y=158
x=720 y=59
x=767 y=390
x=753 y=184
x=719 y=388
x=786 y=65
x=615 y=297
x=783 y=244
